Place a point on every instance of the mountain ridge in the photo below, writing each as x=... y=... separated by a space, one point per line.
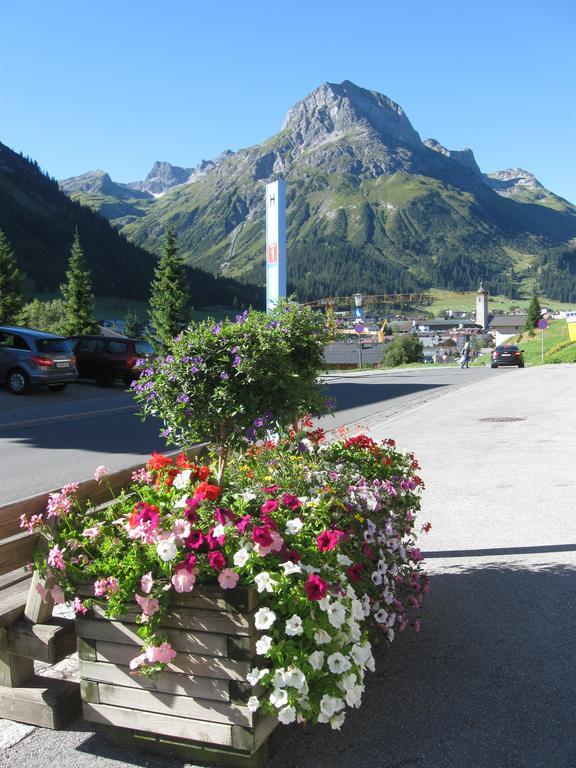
x=363 y=185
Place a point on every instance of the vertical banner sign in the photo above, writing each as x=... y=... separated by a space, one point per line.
x=275 y=243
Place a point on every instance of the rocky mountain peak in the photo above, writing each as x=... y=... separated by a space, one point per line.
x=334 y=109
x=464 y=157
x=162 y=176
x=507 y=181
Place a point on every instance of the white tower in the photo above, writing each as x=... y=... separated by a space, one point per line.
x=482 y=306
x=275 y=243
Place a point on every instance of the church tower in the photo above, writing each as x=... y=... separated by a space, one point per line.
x=482 y=306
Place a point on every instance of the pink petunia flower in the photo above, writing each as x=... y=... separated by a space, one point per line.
x=56 y=558
x=58 y=594
x=183 y=580
x=316 y=588
x=146 y=583
x=228 y=578
x=149 y=605
x=160 y=653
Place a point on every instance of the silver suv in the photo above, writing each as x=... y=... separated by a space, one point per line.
x=34 y=358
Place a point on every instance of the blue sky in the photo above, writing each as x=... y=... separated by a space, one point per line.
x=118 y=84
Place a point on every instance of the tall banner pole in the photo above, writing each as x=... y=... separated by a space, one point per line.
x=275 y=243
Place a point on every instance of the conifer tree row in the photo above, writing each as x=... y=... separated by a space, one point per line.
x=11 y=297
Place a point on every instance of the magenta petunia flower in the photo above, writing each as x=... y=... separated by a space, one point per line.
x=316 y=588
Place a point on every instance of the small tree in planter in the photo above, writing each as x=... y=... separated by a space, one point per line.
x=232 y=382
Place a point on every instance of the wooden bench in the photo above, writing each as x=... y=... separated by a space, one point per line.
x=28 y=630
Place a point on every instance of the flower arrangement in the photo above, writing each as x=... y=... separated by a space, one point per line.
x=323 y=532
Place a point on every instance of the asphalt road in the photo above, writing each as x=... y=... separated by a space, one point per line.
x=51 y=438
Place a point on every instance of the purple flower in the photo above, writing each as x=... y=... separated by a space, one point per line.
x=224 y=376
x=236 y=362
x=183 y=398
x=233 y=350
x=273 y=324
x=194 y=369
x=242 y=317
x=331 y=404
x=166 y=432
x=250 y=434
x=259 y=422
x=169 y=359
x=216 y=328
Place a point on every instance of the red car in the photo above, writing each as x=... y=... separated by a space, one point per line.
x=107 y=358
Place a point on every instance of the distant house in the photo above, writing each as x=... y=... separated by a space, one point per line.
x=502 y=327
x=425 y=326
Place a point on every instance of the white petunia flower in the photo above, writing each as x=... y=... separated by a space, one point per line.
x=279 y=679
x=264 y=582
x=253 y=703
x=182 y=479
x=338 y=663
x=324 y=603
x=264 y=618
x=290 y=568
x=344 y=560
x=329 y=705
x=391 y=619
x=294 y=525
x=263 y=645
x=219 y=530
x=366 y=605
x=361 y=652
x=377 y=578
x=336 y=615
x=255 y=675
x=321 y=637
x=337 y=721
x=348 y=682
x=181 y=503
x=241 y=557
x=355 y=632
x=382 y=566
x=381 y=616
x=287 y=715
x=248 y=495
x=294 y=626
x=295 y=678
x=278 y=698
x=166 y=549
x=354 y=696
x=316 y=660
x=357 y=610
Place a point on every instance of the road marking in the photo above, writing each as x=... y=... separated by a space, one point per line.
x=65 y=417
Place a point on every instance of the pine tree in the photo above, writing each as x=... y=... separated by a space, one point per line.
x=11 y=298
x=77 y=293
x=534 y=313
x=168 y=295
x=132 y=325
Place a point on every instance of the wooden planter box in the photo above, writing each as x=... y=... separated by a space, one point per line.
x=196 y=709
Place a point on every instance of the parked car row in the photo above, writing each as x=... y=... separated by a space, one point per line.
x=31 y=358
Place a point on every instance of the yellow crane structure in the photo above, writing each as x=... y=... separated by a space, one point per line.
x=332 y=302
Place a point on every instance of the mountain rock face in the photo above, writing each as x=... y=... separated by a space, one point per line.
x=100 y=183
x=508 y=181
x=371 y=207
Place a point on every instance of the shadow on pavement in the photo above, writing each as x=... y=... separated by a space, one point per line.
x=351 y=394
x=488 y=683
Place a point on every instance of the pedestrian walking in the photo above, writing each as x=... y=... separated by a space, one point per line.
x=465 y=354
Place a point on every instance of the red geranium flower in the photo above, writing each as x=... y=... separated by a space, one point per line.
x=207 y=491
x=158 y=461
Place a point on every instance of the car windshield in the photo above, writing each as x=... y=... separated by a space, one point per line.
x=142 y=348
x=52 y=346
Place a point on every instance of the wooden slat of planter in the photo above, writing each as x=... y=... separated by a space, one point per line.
x=195 y=620
x=16 y=551
x=153 y=722
x=44 y=642
x=194 y=709
x=187 y=664
x=212 y=597
x=118 y=632
x=166 y=682
x=13 y=601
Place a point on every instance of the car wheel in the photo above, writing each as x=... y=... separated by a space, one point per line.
x=18 y=382
x=104 y=379
x=57 y=387
x=493 y=366
x=520 y=365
